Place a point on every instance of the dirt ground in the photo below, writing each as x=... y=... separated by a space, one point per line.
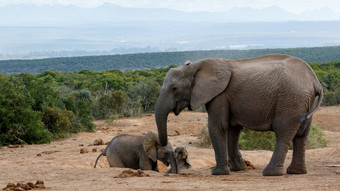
x=62 y=167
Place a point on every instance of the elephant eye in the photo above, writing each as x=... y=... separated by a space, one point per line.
x=174 y=89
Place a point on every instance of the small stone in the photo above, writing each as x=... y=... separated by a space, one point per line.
x=98 y=142
x=39 y=186
x=190 y=142
x=39 y=182
x=25 y=187
x=39 y=154
x=81 y=145
x=83 y=150
x=30 y=184
x=94 y=150
x=11 y=185
x=18 y=189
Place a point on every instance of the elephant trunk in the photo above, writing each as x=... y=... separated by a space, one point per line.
x=173 y=163
x=161 y=116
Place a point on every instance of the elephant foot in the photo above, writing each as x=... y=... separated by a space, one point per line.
x=272 y=171
x=237 y=166
x=294 y=170
x=220 y=170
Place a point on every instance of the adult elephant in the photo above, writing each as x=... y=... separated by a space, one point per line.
x=276 y=92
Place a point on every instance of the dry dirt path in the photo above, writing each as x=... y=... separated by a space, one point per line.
x=62 y=167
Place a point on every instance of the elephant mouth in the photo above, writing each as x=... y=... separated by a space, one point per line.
x=176 y=112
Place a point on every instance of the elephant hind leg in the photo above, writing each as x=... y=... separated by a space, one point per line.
x=236 y=161
x=114 y=160
x=284 y=135
x=298 y=164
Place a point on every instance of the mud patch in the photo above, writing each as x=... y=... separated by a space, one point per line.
x=131 y=173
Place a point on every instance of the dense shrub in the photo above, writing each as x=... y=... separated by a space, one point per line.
x=19 y=123
x=57 y=121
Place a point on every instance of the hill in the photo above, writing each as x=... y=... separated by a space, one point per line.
x=128 y=62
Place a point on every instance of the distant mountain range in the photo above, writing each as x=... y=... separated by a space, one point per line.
x=24 y=15
x=31 y=31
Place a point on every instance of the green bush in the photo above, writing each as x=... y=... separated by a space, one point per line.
x=83 y=116
x=57 y=121
x=252 y=140
x=19 y=123
x=255 y=140
x=316 y=138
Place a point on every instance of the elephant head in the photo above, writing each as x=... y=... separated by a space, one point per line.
x=155 y=151
x=190 y=85
x=181 y=155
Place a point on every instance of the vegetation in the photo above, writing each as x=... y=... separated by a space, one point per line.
x=255 y=140
x=39 y=108
x=128 y=62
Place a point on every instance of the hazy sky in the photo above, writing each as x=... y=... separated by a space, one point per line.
x=296 y=6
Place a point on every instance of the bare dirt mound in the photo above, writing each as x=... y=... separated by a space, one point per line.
x=62 y=167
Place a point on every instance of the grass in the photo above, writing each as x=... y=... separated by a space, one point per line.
x=255 y=140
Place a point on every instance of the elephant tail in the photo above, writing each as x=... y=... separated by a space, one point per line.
x=101 y=154
x=306 y=116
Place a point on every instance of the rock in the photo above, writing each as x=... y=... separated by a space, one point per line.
x=94 y=150
x=84 y=150
x=18 y=189
x=39 y=184
x=23 y=186
x=98 y=142
x=81 y=145
x=249 y=165
x=39 y=154
x=30 y=184
x=11 y=185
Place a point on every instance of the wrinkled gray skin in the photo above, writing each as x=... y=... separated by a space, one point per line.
x=277 y=93
x=138 y=152
x=181 y=155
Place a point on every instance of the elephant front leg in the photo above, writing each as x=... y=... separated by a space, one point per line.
x=219 y=142
x=236 y=161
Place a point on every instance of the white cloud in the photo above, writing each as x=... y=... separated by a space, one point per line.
x=296 y=6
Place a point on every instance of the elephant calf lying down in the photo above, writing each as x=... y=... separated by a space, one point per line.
x=138 y=152
x=181 y=155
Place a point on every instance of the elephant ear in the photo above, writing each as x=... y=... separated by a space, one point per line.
x=149 y=145
x=212 y=78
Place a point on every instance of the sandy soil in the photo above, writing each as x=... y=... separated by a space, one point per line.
x=62 y=167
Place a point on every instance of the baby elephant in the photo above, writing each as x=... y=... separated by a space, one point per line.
x=138 y=152
x=181 y=156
